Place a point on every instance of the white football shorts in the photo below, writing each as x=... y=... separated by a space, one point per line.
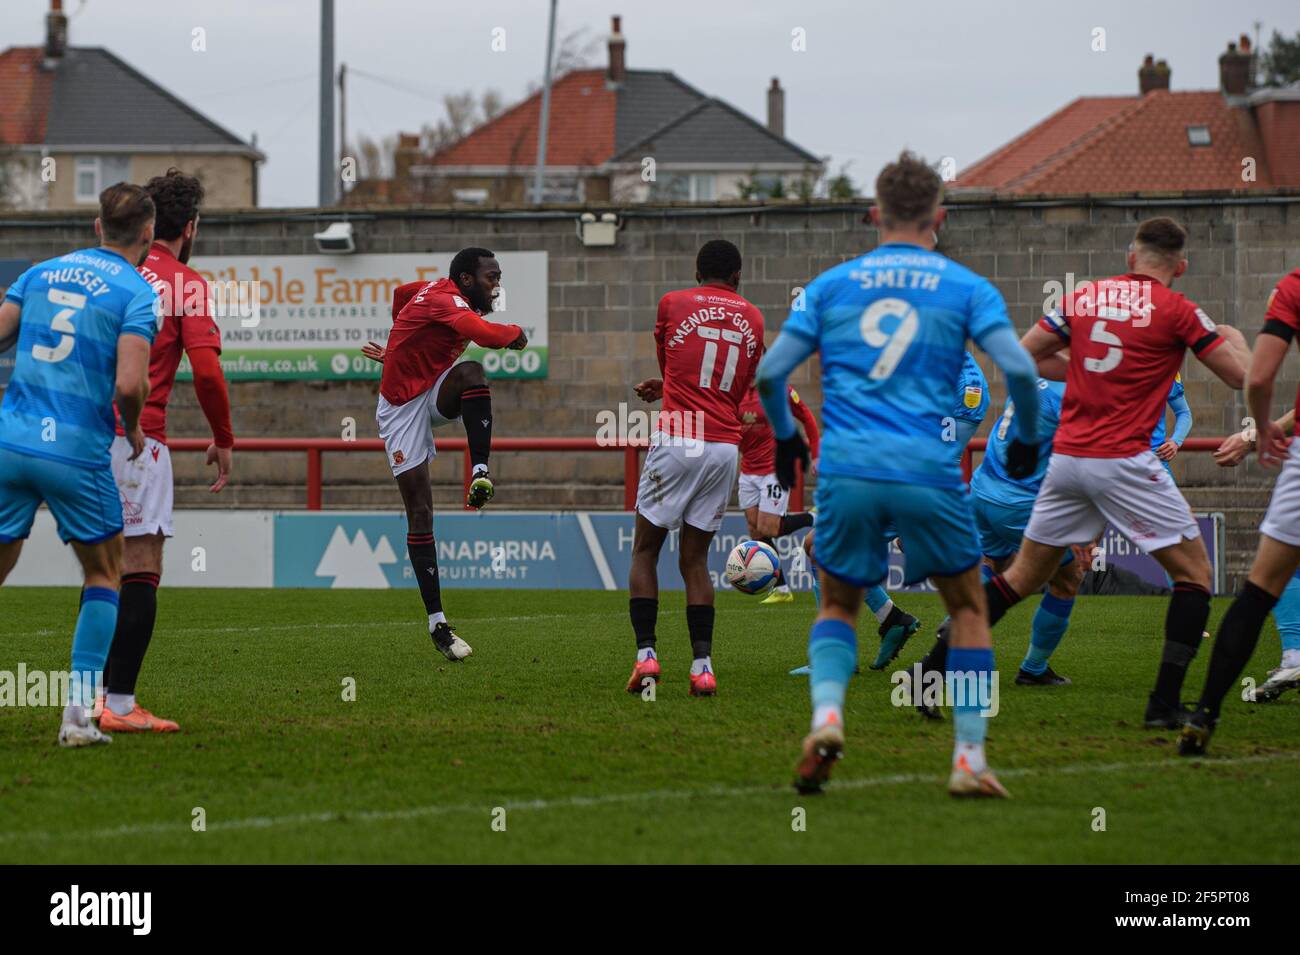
x=1282 y=519
x=763 y=491
x=686 y=482
x=407 y=429
x=145 y=486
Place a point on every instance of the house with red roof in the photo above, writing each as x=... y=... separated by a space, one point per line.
x=78 y=119
x=614 y=134
x=1233 y=139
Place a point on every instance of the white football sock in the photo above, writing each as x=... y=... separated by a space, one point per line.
x=73 y=713
x=883 y=613
x=645 y=653
x=827 y=713
x=1290 y=658
x=699 y=663
x=120 y=703
x=480 y=469
x=436 y=618
x=974 y=753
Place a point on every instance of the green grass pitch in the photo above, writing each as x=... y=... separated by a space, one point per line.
x=537 y=724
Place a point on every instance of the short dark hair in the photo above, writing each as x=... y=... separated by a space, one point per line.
x=717 y=259
x=466 y=260
x=176 y=197
x=1162 y=238
x=907 y=190
x=124 y=209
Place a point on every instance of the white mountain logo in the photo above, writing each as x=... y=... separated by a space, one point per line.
x=355 y=564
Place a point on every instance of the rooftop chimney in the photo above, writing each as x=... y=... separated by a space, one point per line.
x=56 y=33
x=776 y=108
x=1235 y=68
x=617 y=55
x=1152 y=75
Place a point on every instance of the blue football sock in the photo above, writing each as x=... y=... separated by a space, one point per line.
x=986 y=572
x=1050 y=621
x=876 y=598
x=96 y=623
x=1286 y=614
x=969 y=697
x=817 y=587
x=833 y=655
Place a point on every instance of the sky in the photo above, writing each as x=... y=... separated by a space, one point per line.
x=945 y=78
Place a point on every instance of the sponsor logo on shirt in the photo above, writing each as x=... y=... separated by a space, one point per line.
x=971 y=399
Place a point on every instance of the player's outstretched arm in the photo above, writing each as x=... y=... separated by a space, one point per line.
x=1230 y=361
x=1270 y=351
x=489 y=334
x=1238 y=445
x=214 y=399
x=10 y=314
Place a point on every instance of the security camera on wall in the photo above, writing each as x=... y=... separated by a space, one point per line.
x=336 y=239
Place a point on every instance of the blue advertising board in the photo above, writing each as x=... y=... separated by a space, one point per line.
x=557 y=551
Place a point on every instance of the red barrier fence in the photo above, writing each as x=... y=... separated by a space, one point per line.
x=315 y=449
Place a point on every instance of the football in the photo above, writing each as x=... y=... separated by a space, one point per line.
x=752 y=567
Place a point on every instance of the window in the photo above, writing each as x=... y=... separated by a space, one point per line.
x=682 y=187
x=94 y=174
x=1198 y=135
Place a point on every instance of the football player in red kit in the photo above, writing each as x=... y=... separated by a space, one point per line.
x=1128 y=335
x=708 y=341
x=762 y=498
x=423 y=387
x=145 y=482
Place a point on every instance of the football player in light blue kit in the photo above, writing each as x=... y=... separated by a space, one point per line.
x=890 y=328
x=897 y=625
x=1002 y=508
x=83 y=323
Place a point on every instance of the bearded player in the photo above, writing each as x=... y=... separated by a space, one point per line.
x=708 y=340
x=761 y=496
x=423 y=387
x=1278 y=555
x=145 y=481
x=1128 y=336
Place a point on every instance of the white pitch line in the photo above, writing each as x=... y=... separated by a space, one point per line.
x=608 y=799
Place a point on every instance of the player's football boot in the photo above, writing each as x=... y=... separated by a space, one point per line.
x=964 y=782
x=139 y=720
x=1278 y=682
x=1048 y=677
x=895 y=631
x=821 y=748
x=449 y=645
x=74 y=735
x=704 y=683
x=1196 y=734
x=480 y=491
x=647 y=669
x=779 y=595
x=1161 y=716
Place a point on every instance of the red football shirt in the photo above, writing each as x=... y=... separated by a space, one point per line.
x=1128 y=335
x=432 y=326
x=758 y=443
x=186 y=325
x=1284 y=307
x=708 y=340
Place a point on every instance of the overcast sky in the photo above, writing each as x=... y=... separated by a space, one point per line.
x=946 y=78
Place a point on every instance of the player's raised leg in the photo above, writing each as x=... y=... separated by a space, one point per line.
x=465 y=394
x=422 y=550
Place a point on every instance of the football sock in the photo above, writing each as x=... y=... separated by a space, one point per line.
x=1287 y=616
x=1000 y=597
x=136 y=610
x=476 y=415
x=120 y=703
x=96 y=621
x=1189 y=608
x=833 y=655
x=968 y=700
x=816 y=581
x=644 y=611
x=879 y=602
x=1050 y=621
x=699 y=623
x=700 y=664
x=937 y=658
x=1236 y=641
x=794 y=522
x=423 y=554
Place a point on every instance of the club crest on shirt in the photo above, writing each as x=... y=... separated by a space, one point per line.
x=972 y=396
x=748 y=417
x=398 y=457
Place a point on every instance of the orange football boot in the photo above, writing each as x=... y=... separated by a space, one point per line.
x=647 y=669
x=139 y=720
x=704 y=683
x=821 y=748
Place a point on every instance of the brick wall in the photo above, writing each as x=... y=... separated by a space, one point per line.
x=602 y=306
